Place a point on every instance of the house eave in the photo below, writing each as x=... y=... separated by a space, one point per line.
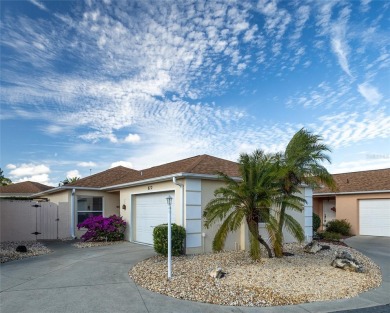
x=64 y=188
x=327 y=194
x=164 y=178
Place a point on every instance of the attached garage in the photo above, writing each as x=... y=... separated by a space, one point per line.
x=151 y=210
x=374 y=217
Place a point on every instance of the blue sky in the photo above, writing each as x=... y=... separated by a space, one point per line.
x=89 y=85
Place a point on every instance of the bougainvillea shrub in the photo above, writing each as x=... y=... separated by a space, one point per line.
x=101 y=228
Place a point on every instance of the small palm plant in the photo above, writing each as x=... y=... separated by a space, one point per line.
x=250 y=199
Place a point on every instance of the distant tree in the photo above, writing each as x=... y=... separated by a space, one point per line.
x=4 y=181
x=69 y=180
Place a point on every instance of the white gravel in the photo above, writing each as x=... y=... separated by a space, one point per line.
x=8 y=252
x=289 y=280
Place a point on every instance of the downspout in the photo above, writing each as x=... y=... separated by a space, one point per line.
x=181 y=200
x=72 y=214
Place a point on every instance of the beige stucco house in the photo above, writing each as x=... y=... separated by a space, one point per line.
x=140 y=198
x=362 y=198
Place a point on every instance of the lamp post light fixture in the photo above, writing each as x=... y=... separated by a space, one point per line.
x=169 y=202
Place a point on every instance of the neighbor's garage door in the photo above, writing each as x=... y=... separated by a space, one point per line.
x=151 y=210
x=374 y=217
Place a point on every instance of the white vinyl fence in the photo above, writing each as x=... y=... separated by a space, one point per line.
x=30 y=220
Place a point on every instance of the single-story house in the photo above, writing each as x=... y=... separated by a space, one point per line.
x=22 y=190
x=362 y=198
x=140 y=198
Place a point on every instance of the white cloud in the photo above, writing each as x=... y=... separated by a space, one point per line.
x=39 y=178
x=39 y=4
x=72 y=174
x=54 y=129
x=29 y=170
x=133 y=138
x=340 y=48
x=370 y=93
x=360 y=165
x=122 y=163
x=87 y=164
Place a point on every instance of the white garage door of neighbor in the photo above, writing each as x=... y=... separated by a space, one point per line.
x=151 y=210
x=374 y=217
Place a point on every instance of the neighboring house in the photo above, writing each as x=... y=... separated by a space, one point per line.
x=362 y=198
x=22 y=190
x=140 y=198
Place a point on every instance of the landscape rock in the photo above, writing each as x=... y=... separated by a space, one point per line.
x=312 y=247
x=304 y=277
x=346 y=261
x=21 y=249
x=9 y=250
x=217 y=273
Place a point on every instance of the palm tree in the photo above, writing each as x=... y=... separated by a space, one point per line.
x=4 y=181
x=69 y=180
x=300 y=164
x=250 y=199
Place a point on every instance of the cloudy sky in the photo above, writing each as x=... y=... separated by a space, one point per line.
x=90 y=85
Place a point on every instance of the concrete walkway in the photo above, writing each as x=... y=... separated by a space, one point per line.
x=96 y=280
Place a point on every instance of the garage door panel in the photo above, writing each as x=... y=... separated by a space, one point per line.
x=374 y=217
x=151 y=210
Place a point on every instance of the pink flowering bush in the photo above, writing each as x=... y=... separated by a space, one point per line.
x=103 y=228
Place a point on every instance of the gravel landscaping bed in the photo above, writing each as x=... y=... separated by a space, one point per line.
x=8 y=252
x=290 y=280
x=91 y=244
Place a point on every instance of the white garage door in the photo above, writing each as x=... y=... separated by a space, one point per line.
x=374 y=217
x=151 y=210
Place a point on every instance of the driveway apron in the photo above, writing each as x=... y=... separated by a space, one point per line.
x=96 y=280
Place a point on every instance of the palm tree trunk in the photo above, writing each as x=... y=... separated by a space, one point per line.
x=253 y=226
x=278 y=242
x=262 y=241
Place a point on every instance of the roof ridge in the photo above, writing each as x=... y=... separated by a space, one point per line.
x=379 y=169
x=165 y=164
x=197 y=161
x=75 y=183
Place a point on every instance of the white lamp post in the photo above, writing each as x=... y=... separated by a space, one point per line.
x=169 y=201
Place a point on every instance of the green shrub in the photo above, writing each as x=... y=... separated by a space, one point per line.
x=339 y=226
x=160 y=239
x=316 y=222
x=327 y=235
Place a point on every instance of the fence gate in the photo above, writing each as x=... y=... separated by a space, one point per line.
x=30 y=220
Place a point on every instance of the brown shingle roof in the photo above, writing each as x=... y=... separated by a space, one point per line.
x=112 y=176
x=27 y=187
x=201 y=164
x=374 y=180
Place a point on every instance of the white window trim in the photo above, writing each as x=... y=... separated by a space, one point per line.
x=88 y=211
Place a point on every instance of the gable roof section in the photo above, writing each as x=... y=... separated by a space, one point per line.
x=120 y=176
x=200 y=164
x=26 y=187
x=365 y=181
x=112 y=176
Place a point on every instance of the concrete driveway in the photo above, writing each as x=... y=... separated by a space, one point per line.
x=96 y=280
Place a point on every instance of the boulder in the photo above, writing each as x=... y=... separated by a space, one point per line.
x=217 y=273
x=312 y=247
x=344 y=260
x=21 y=249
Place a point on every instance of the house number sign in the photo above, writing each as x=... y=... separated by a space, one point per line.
x=150 y=187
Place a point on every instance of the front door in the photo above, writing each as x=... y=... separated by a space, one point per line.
x=329 y=211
